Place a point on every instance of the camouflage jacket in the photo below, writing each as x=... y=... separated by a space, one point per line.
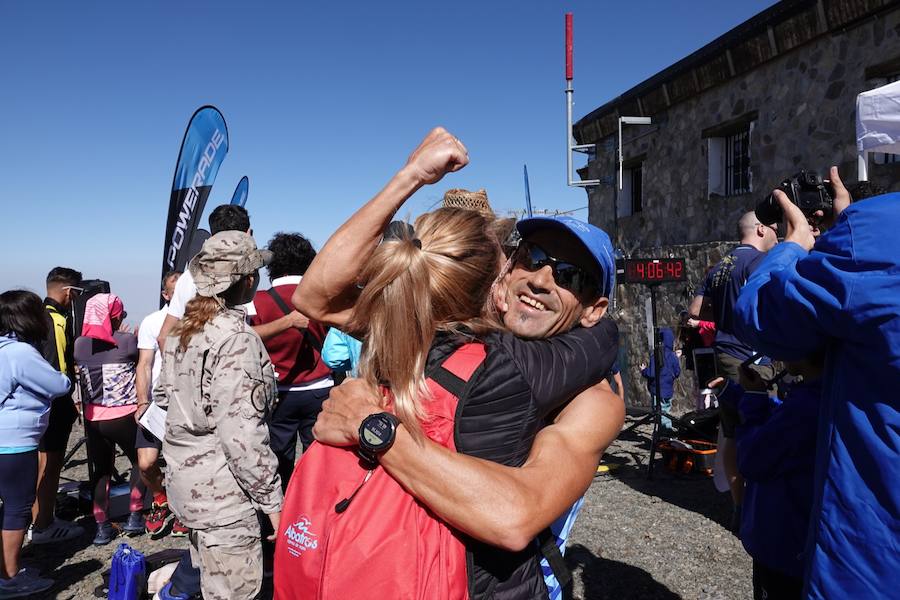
x=219 y=393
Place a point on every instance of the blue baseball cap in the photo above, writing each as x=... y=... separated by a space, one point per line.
x=594 y=239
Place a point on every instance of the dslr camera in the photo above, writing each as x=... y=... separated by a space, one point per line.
x=807 y=190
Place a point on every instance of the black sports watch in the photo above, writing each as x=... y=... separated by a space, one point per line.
x=376 y=435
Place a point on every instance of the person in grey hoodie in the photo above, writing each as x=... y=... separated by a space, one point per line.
x=27 y=385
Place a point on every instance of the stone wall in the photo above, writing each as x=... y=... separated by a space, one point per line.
x=630 y=314
x=804 y=101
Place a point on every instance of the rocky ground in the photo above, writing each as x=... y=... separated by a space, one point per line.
x=636 y=538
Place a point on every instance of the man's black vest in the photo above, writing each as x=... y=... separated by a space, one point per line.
x=497 y=419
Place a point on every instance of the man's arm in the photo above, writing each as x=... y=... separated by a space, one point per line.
x=701 y=307
x=500 y=505
x=143 y=377
x=167 y=326
x=184 y=291
x=328 y=290
x=294 y=319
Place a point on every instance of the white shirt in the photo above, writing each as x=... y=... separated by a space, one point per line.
x=185 y=290
x=147 y=334
x=286 y=280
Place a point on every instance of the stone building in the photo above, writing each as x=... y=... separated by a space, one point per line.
x=729 y=122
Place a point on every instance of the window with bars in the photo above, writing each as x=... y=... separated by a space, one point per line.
x=728 y=154
x=737 y=163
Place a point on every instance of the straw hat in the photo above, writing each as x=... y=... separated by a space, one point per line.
x=477 y=201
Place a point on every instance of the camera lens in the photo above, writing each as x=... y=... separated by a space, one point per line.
x=769 y=211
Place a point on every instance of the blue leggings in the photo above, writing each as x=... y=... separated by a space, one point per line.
x=18 y=480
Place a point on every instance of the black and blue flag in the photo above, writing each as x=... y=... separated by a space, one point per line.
x=202 y=152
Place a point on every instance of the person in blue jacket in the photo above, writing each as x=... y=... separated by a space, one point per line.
x=671 y=369
x=842 y=293
x=776 y=449
x=27 y=385
x=340 y=351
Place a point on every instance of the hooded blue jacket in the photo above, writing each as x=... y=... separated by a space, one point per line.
x=843 y=296
x=27 y=385
x=671 y=368
x=776 y=453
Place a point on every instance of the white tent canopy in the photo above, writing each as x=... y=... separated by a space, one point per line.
x=877 y=124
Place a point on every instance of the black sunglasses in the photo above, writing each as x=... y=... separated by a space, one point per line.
x=572 y=277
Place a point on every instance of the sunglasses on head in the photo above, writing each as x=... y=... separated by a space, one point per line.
x=572 y=277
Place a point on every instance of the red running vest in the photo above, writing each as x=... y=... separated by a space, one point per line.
x=386 y=544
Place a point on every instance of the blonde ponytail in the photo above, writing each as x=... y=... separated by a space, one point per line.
x=411 y=291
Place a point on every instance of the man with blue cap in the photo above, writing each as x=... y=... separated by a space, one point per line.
x=561 y=276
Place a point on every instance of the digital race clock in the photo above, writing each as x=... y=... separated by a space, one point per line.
x=652 y=270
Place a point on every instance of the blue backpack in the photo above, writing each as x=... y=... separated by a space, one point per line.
x=128 y=575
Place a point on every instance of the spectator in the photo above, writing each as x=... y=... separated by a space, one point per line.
x=669 y=372
x=29 y=384
x=841 y=295
x=295 y=344
x=218 y=386
x=616 y=381
x=341 y=351
x=160 y=519
x=105 y=362
x=225 y=217
x=776 y=447
x=62 y=289
x=716 y=299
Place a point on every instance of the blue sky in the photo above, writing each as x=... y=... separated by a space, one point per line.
x=323 y=102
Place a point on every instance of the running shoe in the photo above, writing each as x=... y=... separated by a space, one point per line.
x=178 y=529
x=105 y=533
x=134 y=525
x=25 y=583
x=158 y=519
x=58 y=531
x=169 y=593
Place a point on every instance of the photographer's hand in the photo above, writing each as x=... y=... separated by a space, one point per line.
x=798 y=228
x=841 y=195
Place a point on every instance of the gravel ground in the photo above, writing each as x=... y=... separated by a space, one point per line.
x=636 y=538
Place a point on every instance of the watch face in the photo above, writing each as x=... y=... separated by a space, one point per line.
x=377 y=431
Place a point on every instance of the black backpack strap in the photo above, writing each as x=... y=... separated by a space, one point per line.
x=279 y=301
x=550 y=551
x=308 y=336
x=447 y=380
x=451 y=382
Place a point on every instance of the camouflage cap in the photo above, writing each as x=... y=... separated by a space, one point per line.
x=224 y=259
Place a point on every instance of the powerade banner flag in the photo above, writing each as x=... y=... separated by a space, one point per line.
x=202 y=152
x=241 y=191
